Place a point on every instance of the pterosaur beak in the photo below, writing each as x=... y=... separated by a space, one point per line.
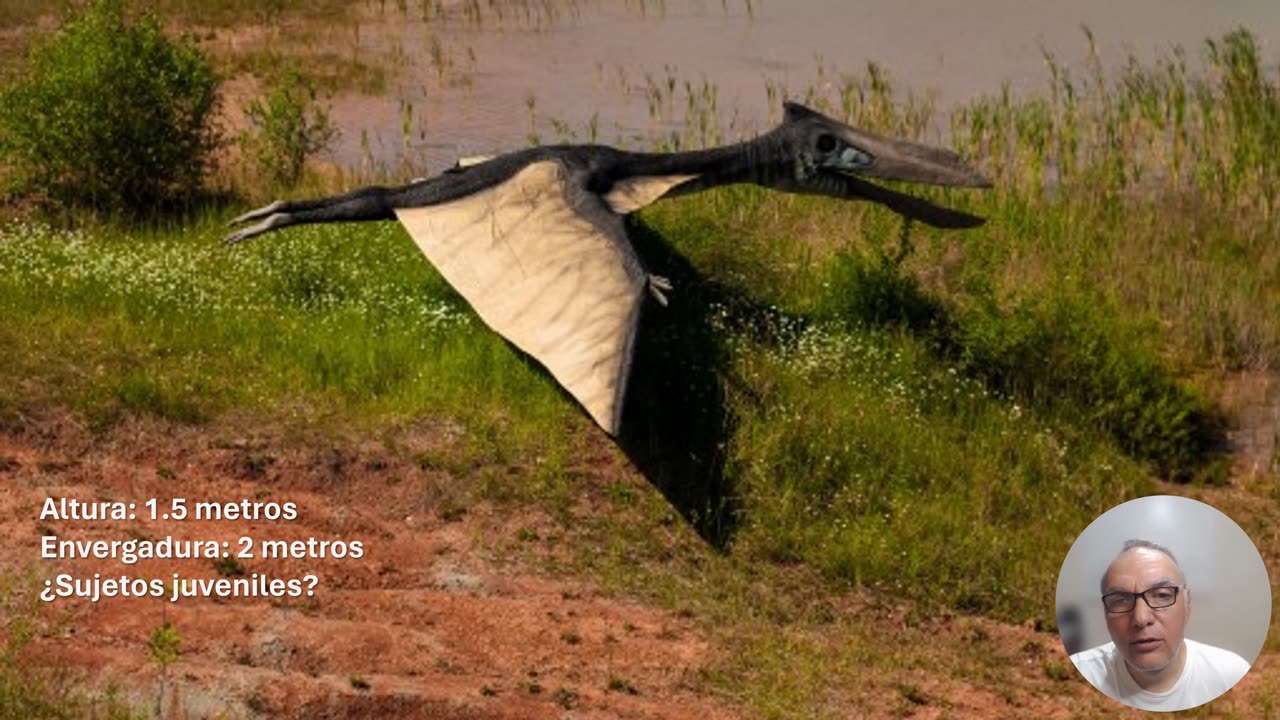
x=912 y=162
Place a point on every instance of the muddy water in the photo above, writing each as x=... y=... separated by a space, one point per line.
x=547 y=67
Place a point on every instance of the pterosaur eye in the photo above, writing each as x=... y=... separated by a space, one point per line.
x=826 y=143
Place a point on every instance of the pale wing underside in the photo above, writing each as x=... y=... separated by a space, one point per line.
x=631 y=194
x=562 y=289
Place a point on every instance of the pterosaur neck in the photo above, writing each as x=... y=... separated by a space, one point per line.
x=760 y=160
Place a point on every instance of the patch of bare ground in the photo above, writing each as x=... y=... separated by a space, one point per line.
x=1253 y=400
x=441 y=619
x=14 y=42
x=972 y=667
x=422 y=625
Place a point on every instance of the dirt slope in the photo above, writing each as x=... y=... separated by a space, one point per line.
x=421 y=626
x=434 y=621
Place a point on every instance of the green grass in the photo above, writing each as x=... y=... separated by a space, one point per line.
x=1160 y=194
x=179 y=326
x=16 y=13
x=862 y=450
x=938 y=429
x=879 y=466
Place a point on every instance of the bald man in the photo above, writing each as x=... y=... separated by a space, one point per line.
x=1149 y=663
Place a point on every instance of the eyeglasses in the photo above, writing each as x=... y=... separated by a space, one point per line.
x=1155 y=598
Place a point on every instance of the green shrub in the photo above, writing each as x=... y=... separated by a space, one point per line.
x=873 y=293
x=288 y=128
x=1065 y=354
x=1062 y=351
x=112 y=114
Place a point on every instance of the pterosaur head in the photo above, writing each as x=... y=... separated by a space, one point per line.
x=831 y=158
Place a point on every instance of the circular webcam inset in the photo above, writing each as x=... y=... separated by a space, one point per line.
x=1163 y=603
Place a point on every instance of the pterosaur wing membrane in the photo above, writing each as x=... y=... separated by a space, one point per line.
x=546 y=266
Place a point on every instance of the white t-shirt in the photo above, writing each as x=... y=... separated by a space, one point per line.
x=1209 y=672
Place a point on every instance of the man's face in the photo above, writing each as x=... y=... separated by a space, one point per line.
x=1149 y=640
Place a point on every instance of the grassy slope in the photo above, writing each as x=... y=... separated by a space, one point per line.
x=936 y=431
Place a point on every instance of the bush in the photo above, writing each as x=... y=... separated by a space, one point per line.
x=288 y=129
x=1063 y=351
x=1067 y=354
x=112 y=114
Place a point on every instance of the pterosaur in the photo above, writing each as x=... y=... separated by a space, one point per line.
x=535 y=241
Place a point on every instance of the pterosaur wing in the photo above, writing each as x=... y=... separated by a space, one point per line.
x=631 y=194
x=550 y=269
